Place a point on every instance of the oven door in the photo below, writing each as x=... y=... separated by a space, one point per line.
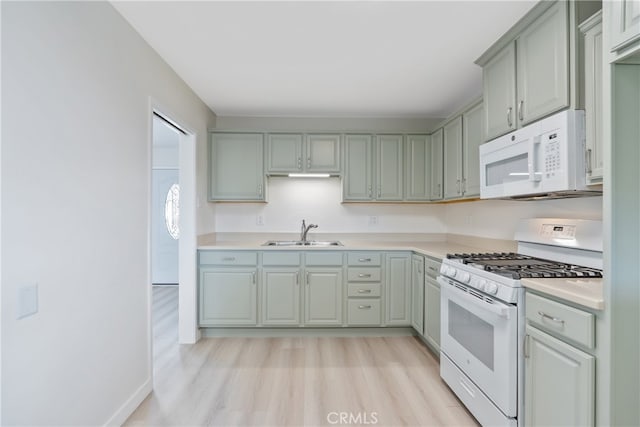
x=480 y=335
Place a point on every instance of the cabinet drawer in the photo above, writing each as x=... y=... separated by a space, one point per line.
x=572 y=323
x=323 y=258
x=432 y=267
x=365 y=274
x=364 y=289
x=363 y=312
x=364 y=258
x=281 y=258
x=228 y=258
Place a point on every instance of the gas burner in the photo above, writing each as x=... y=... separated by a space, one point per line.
x=517 y=266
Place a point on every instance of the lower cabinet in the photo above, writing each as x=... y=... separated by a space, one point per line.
x=417 y=292
x=228 y=296
x=432 y=303
x=398 y=288
x=559 y=371
x=323 y=297
x=281 y=297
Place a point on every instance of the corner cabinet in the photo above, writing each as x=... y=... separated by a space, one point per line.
x=398 y=289
x=453 y=158
x=592 y=32
x=559 y=371
x=437 y=188
x=236 y=171
x=625 y=25
x=528 y=78
x=417 y=293
x=418 y=167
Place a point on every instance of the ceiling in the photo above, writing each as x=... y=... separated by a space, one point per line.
x=326 y=59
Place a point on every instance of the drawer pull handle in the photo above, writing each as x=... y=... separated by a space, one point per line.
x=553 y=319
x=364 y=291
x=364 y=275
x=433 y=269
x=231 y=258
x=364 y=260
x=364 y=307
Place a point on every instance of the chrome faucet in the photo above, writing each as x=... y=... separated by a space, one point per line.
x=305 y=229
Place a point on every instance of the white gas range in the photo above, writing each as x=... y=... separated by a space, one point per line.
x=482 y=311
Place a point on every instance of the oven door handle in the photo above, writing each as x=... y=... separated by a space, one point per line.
x=497 y=308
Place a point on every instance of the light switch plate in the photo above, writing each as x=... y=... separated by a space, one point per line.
x=27 y=300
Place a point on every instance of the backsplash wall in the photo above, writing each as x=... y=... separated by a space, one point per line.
x=498 y=218
x=319 y=202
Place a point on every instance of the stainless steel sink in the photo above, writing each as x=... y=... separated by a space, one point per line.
x=301 y=243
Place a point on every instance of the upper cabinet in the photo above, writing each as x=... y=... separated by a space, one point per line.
x=453 y=158
x=298 y=153
x=472 y=137
x=236 y=171
x=436 y=165
x=528 y=78
x=592 y=31
x=374 y=168
x=625 y=23
x=418 y=167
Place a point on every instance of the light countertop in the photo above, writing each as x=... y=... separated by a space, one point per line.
x=585 y=292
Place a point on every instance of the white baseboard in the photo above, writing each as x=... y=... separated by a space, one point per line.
x=121 y=415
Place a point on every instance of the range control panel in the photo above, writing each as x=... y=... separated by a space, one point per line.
x=557 y=231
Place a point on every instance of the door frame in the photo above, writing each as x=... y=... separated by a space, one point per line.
x=188 y=332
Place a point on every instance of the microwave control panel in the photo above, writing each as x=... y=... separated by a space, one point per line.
x=551 y=154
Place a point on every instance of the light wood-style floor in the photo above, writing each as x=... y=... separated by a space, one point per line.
x=310 y=381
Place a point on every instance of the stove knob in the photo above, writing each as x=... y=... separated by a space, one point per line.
x=492 y=288
x=464 y=277
x=443 y=269
x=451 y=272
x=482 y=284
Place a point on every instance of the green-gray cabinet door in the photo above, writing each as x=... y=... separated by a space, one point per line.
x=398 y=289
x=418 y=167
x=236 y=169
x=625 y=28
x=357 y=182
x=280 y=296
x=417 y=293
x=323 y=296
x=543 y=65
x=390 y=167
x=432 y=313
x=436 y=165
x=499 y=93
x=593 y=97
x=472 y=137
x=227 y=296
x=559 y=382
x=322 y=153
x=453 y=159
x=284 y=153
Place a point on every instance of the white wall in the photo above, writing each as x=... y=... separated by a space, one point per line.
x=76 y=86
x=498 y=218
x=319 y=202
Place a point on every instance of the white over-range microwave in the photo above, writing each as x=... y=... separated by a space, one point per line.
x=545 y=159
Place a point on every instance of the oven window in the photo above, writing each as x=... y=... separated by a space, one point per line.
x=508 y=170
x=473 y=333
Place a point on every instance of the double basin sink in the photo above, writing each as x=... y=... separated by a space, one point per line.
x=321 y=243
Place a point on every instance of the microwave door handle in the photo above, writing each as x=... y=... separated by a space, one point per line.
x=531 y=164
x=496 y=308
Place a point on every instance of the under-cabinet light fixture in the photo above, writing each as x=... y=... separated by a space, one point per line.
x=309 y=175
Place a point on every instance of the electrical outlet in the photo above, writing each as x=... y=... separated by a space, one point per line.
x=260 y=220
x=373 y=220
